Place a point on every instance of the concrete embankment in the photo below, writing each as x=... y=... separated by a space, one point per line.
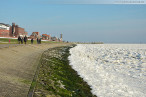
x=17 y=67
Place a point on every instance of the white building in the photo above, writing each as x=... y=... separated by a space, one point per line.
x=4 y=26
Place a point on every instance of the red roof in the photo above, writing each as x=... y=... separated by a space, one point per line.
x=46 y=35
x=36 y=33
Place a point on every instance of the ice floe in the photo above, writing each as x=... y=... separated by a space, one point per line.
x=112 y=70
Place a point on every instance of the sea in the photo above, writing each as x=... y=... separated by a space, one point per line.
x=111 y=70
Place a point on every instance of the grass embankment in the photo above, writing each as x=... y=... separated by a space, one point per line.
x=15 y=41
x=56 y=78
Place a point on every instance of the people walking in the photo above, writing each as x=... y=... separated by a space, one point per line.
x=19 y=39
x=37 y=41
x=31 y=40
x=40 y=41
x=25 y=39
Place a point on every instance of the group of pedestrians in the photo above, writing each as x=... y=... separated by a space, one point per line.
x=22 y=39
x=38 y=40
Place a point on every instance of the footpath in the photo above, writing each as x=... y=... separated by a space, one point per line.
x=18 y=64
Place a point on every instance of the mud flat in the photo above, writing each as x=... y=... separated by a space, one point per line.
x=18 y=65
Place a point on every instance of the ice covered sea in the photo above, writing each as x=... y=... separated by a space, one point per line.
x=112 y=70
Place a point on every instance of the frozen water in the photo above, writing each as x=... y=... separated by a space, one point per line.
x=112 y=70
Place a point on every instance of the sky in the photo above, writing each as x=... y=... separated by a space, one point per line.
x=78 y=21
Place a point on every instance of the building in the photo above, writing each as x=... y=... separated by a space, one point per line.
x=35 y=35
x=61 y=37
x=54 y=38
x=16 y=31
x=46 y=37
x=4 y=30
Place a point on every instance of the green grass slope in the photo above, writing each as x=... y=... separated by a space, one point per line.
x=56 y=78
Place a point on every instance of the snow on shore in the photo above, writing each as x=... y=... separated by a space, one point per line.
x=112 y=70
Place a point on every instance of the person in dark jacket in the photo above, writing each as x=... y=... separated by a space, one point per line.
x=37 y=41
x=25 y=39
x=19 y=39
x=40 y=40
x=31 y=40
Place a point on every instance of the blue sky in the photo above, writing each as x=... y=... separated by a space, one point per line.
x=109 y=23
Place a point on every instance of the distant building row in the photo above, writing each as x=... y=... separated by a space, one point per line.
x=7 y=30
x=11 y=31
x=36 y=35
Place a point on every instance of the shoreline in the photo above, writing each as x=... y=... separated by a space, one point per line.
x=56 y=78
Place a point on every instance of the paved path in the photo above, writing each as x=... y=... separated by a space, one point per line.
x=17 y=68
x=9 y=45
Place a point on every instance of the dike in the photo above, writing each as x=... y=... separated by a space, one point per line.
x=56 y=78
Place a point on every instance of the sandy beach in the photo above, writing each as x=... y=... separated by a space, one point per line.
x=18 y=64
